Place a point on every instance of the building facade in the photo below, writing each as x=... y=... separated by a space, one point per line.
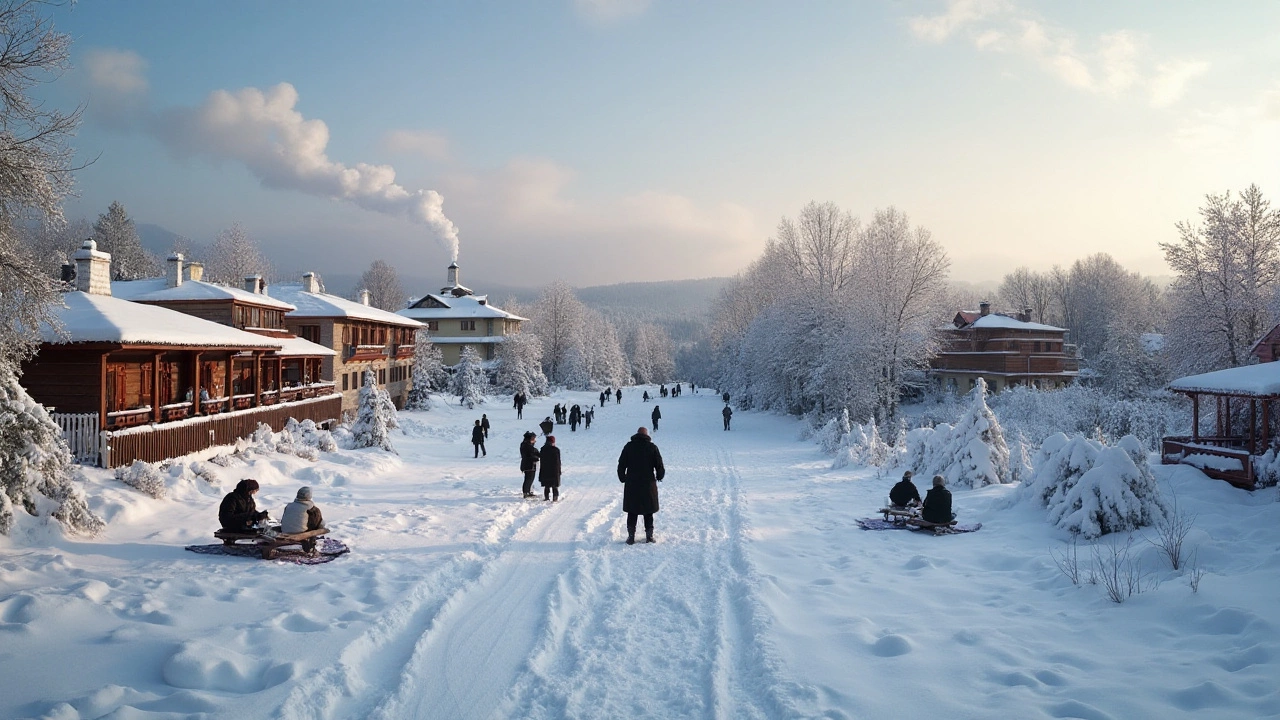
x=457 y=318
x=1005 y=351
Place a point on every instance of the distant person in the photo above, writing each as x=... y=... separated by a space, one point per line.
x=521 y=401
x=656 y=415
x=588 y=416
x=300 y=516
x=727 y=412
x=678 y=389
x=477 y=439
x=575 y=418
x=619 y=396
x=662 y=390
x=603 y=398
x=645 y=397
x=238 y=512
x=693 y=388
x=640 y=470
x=905 y=494
x=529 y=457
x=484 y=424
x=725 y=397
x=547 y=426
x=937 y=503
x=549 y=473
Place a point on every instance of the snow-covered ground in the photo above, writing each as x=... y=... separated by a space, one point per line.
x=762 y=598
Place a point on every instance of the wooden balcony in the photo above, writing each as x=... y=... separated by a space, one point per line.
x=129 y=418
x=1222 y=458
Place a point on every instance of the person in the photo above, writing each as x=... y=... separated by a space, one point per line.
x=904 y=494
x=529 y=457
x=300 y=516
x=645 y=397
x=547 y=426
x=588 y=416
x=727 y=412
x=190 y=394
x=662 y=390
x=521 y=401
x=937 y=503
x=555 y=412
x=640 y=470
x=238 y=512
x=602 y=397
x=619 y=395
x=693 y=388
x=549 y=473
x=575 y=417
x=484 y=424
x=725 y=396
x=678 y=389
x=656 y=415
x=477 y=439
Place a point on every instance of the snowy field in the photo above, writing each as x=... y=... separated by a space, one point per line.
x=761 y=599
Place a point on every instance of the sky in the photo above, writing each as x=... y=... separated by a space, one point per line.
x=603 y=141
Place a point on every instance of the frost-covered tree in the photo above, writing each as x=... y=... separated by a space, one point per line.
x=1091 y=489
x=115 y=233
x=652 y=354
x=520 y=365
x=469 y=379
x=375 y=416
x=1024 y=288
x=979 y=454
x=606 y=364
x=428 y=372
x=557 y=320
x=383 y=283
x=234 y=256
x=51 y=244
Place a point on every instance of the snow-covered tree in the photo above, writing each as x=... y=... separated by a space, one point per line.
x=1025 y=288
x=115 y=233
x=52 y=243
x=556 y=320
x=1091 y=489
x=606 y=364
x=469 y=381
x=383 y=284
x=520 y=365
x=652 y=354
x=428 y=372
x=235 y=256
x=979 y=454
x=375 y=416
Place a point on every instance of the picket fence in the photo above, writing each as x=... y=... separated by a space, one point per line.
x=80 y=430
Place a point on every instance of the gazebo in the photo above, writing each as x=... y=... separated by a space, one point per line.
x=1242 y=401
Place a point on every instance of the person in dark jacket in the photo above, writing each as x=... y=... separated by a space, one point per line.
x=727 y=412
x=547 y=426
x=655 y=416
x=589 y=415
x=619 y=395
x=529 y=457
x=645 y=397
x=725 y=397
x=477 y=439
x=640 y=469
x=484 y=424
x=549 y=473
x=905 y=494
x=602 y=397
x=937 y=504
x=521 y=401
x=238 y=512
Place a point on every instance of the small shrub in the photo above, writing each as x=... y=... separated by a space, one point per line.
x=143 y=477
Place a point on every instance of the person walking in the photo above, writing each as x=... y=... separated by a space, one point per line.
x=547 y=426
x=588 y=416
x=656 y=415
x=640 y=470
x=619 y=396
x=477 y=439
x=727 y=412
x=725 y=397
x=602 y=398
x=521 y=401
x=529 y=457
x=645 y=397
x=549 y=473
x=484 y=424
x=575 y=417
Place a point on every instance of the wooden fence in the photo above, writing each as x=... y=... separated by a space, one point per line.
x=80 y=430
x=168 y=440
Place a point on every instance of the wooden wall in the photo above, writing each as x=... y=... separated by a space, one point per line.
x=69 y=380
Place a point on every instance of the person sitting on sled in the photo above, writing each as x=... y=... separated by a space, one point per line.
x=937 y=504
x=300 y=516
x=905 y=494
x=238 y=512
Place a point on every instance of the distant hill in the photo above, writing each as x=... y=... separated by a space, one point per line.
x=156 y=240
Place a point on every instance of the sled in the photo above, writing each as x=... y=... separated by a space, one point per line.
x=268 y=545
x=937 y=528
x=898 y=514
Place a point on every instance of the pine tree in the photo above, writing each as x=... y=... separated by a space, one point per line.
x=375 y=416
x=469 y=379
x=977 y=448
x=115 y=233
x=428 y=372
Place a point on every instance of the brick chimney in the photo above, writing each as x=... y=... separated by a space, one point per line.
x=364 y=296
x=1026 y=314
x=253 y=284
x=194 y=272
x=310 y=283
x=984 y=308
x=93 y=269
x=173 y=275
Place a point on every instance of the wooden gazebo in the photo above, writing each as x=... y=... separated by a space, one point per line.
x=1242 y=402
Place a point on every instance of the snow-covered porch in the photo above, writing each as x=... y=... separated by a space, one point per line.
x=1242 y=403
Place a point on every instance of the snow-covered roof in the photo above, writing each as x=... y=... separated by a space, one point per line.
x=298 y=347
x=465 y=308
x=157 y=290
x=324 y=305
x=1250 y=380
x=103 y=318
x=1008 y=323
x=464 y=340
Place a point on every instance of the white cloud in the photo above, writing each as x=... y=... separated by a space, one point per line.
x=122 y=72
x=428 y=144
x=1254 y=126
x=959 y=14
x=610 y=11
x=1170 y=81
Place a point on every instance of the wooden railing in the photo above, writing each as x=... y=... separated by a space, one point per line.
x=1200 y=453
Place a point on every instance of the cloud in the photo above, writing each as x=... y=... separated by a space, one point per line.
x=1113 y=64
x=610 y=11
x=426 y=143
x=1253 y=126
x=116 y=83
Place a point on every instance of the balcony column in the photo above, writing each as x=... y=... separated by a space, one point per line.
x=1195 y=418
x=155 y=388
x=226 y=389
x=195 y=383
x=257 y=379
x=1253 y=425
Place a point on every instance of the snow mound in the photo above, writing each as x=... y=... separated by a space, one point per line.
x=201 y=666
x=143 y=477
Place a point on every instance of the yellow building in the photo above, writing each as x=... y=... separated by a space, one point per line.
x=457 y=318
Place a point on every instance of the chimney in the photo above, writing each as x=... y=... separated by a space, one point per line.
x=93 y=269
x=173 y=276
x=1026 y=314
x=68 y=273
x=253 y=284
x=364 y=296
x=194 y=272
x=984 y=308
x=453 y=274
x=310 y=283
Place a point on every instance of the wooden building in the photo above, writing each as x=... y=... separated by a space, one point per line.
x=113 y=365
x=1241 y=401
x=457 y=318
x=361 y=337
x=1004 y=350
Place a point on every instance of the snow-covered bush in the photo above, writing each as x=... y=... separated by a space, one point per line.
x=970 y=454
x=832 y=433
x=35 y=463
x=143 y=477
x=1020 y=457
x=304 y=440
x=373 y=421
x=1037 y=414
x=469 y=381
x=1266 y=467
x=1091 y=489
x=428 y=372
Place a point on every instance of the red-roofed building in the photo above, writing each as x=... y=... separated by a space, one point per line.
x=1005 y=350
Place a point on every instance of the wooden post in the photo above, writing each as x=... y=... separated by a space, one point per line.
x=1253 y=425
x=257 y=379
x=1224 y=420
x=279 y=377
x=1266 y=424
x=102 y=392
x=195 y=383
x=155 y=388
x=226 y=389
x=1195 y=418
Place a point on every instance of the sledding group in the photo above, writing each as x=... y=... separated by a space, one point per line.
x=934 y=509
x=238 y=513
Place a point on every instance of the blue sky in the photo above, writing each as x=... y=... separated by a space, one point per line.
x=602 y=141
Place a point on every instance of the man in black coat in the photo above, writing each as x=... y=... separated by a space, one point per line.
x=656 y=415
x=727 y=413
x=529 y=457
x=484 y=424
x=640 y=470
x=521 y=401
x=547 y=426
x=477 y=439
x=238 y=512
x=937 y=504
x=905 y=494
x=549 y=473
x=618 y=394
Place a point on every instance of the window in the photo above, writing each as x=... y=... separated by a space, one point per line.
x=344 y=382
x=309 y=332
x=1038 y=346
x=468 y=324
x=382 y=376
x=433 y=325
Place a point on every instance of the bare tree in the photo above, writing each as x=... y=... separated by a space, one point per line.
x=115 y=233
x=235 y=256
x=52 y=244
x=383 y=284
x=1024 y=288
x=556 y=319
x=819 y=246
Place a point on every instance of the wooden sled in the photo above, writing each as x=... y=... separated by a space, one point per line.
x=269 y=545
x=898 y=515
x=937 y=528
